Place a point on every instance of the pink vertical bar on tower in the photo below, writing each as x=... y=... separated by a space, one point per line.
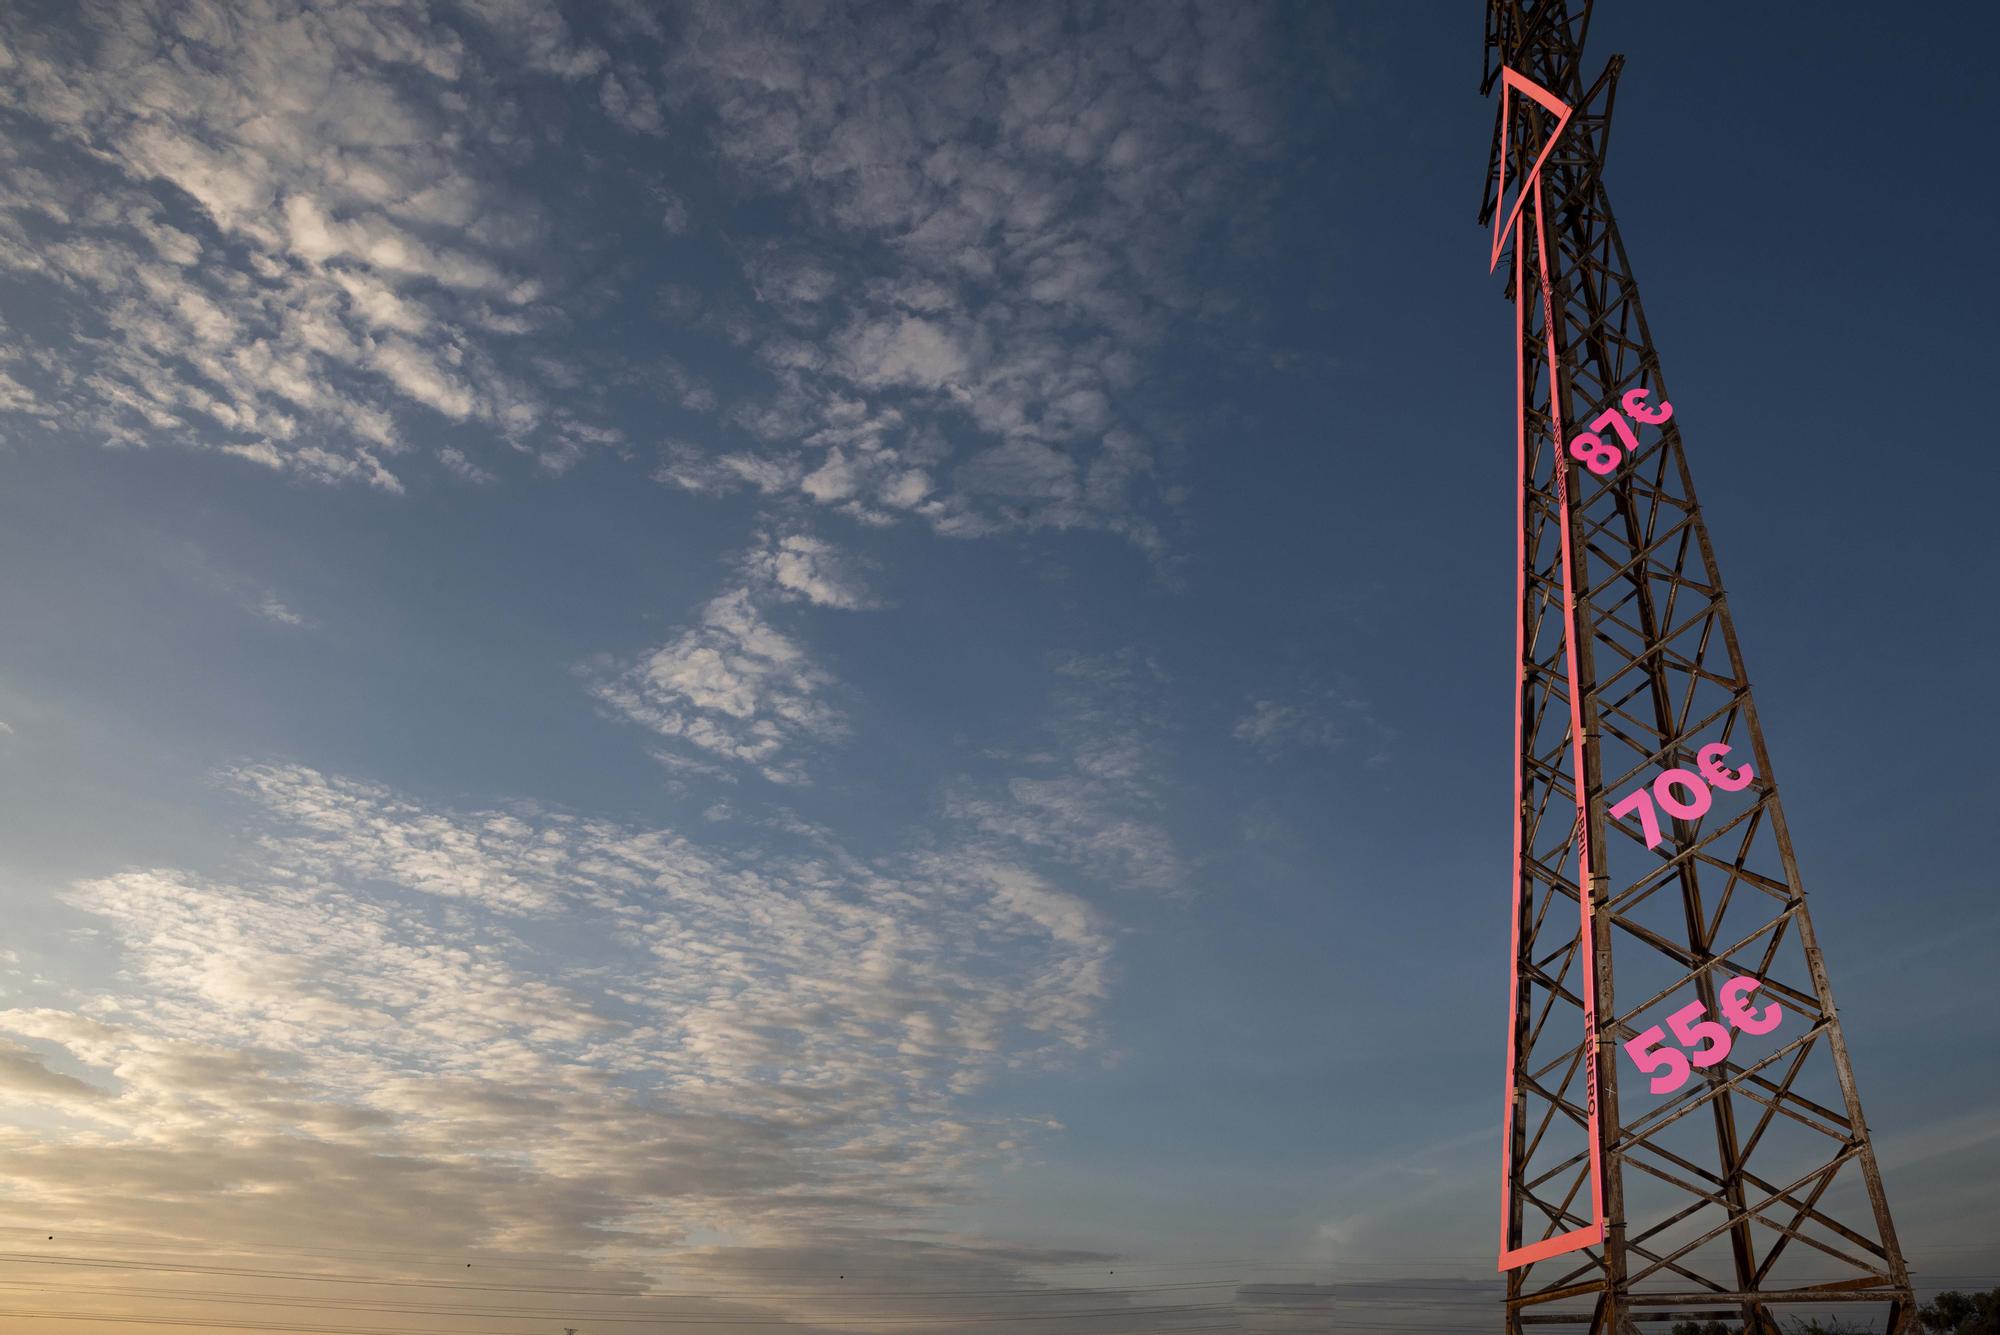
x=1592 y=1233
x=1520 y=688
x=1587 y=929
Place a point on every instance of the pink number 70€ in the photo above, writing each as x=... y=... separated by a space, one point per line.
x=1692 y=1026
x=1639 y=802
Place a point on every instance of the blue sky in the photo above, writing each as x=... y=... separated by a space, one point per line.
x=872 y=639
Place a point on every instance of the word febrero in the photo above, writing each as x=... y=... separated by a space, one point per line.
x=1699 y=797
x=1691 y=1026
x=1588 y=448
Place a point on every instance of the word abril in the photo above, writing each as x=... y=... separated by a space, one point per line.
x=1699 y=798
x=1692 y=1026
x=1588 y=448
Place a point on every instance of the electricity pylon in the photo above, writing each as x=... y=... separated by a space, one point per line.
x=1732 y=1179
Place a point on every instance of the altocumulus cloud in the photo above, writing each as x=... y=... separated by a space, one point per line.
x=1091 y=804
x=734 y=688
x=276 y=230
x=366 y=1033
x=335 y=240
x=1000 y=214
x=409 y=246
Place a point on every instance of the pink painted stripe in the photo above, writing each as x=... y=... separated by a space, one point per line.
x=1592 y=1233
x=1587 y=931
x=1509 y=81
x=1575 y=1241
x=1520 y=686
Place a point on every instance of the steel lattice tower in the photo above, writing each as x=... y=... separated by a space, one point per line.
x=1751 y=1187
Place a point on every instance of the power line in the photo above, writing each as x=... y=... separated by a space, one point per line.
x=627 y=1317
x=111 y=1263
x=159 y=1242
x=334 y=1277
x=306 y=1276
x=120 y=1319
x=1322 y=1304
x=359 y=1304
x=1112 y=1263
x=751 y=1319
x=152 y=1241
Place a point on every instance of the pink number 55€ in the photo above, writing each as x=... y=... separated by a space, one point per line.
x=1738 y=1013
x=1711 y=1042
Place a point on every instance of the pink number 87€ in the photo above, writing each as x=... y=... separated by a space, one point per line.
x=1590 y=449
x=1636 y=409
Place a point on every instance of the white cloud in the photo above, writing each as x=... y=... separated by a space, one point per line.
x=674 y=217
x=331 y=825
x=417 y=373
x=273 y=608
x=630 y=102
x=276 y=239
x=24 y=1076
x=834 y=480
x=1095 y=804
x=1322 y=718
x=455 y=460
x=378 y=305
x=733 y=686
x=386 y=1020
x=537 y=30
x=1024 y=203
x=904 y=350
x=687 y=467
x=801 y=566
x=1269 y=724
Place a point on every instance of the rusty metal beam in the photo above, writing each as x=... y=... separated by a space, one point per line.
x=1630 y=664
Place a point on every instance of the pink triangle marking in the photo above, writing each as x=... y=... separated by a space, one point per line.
x=1509 y=81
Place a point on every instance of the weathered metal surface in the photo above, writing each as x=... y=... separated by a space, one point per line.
x=1627 y=643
